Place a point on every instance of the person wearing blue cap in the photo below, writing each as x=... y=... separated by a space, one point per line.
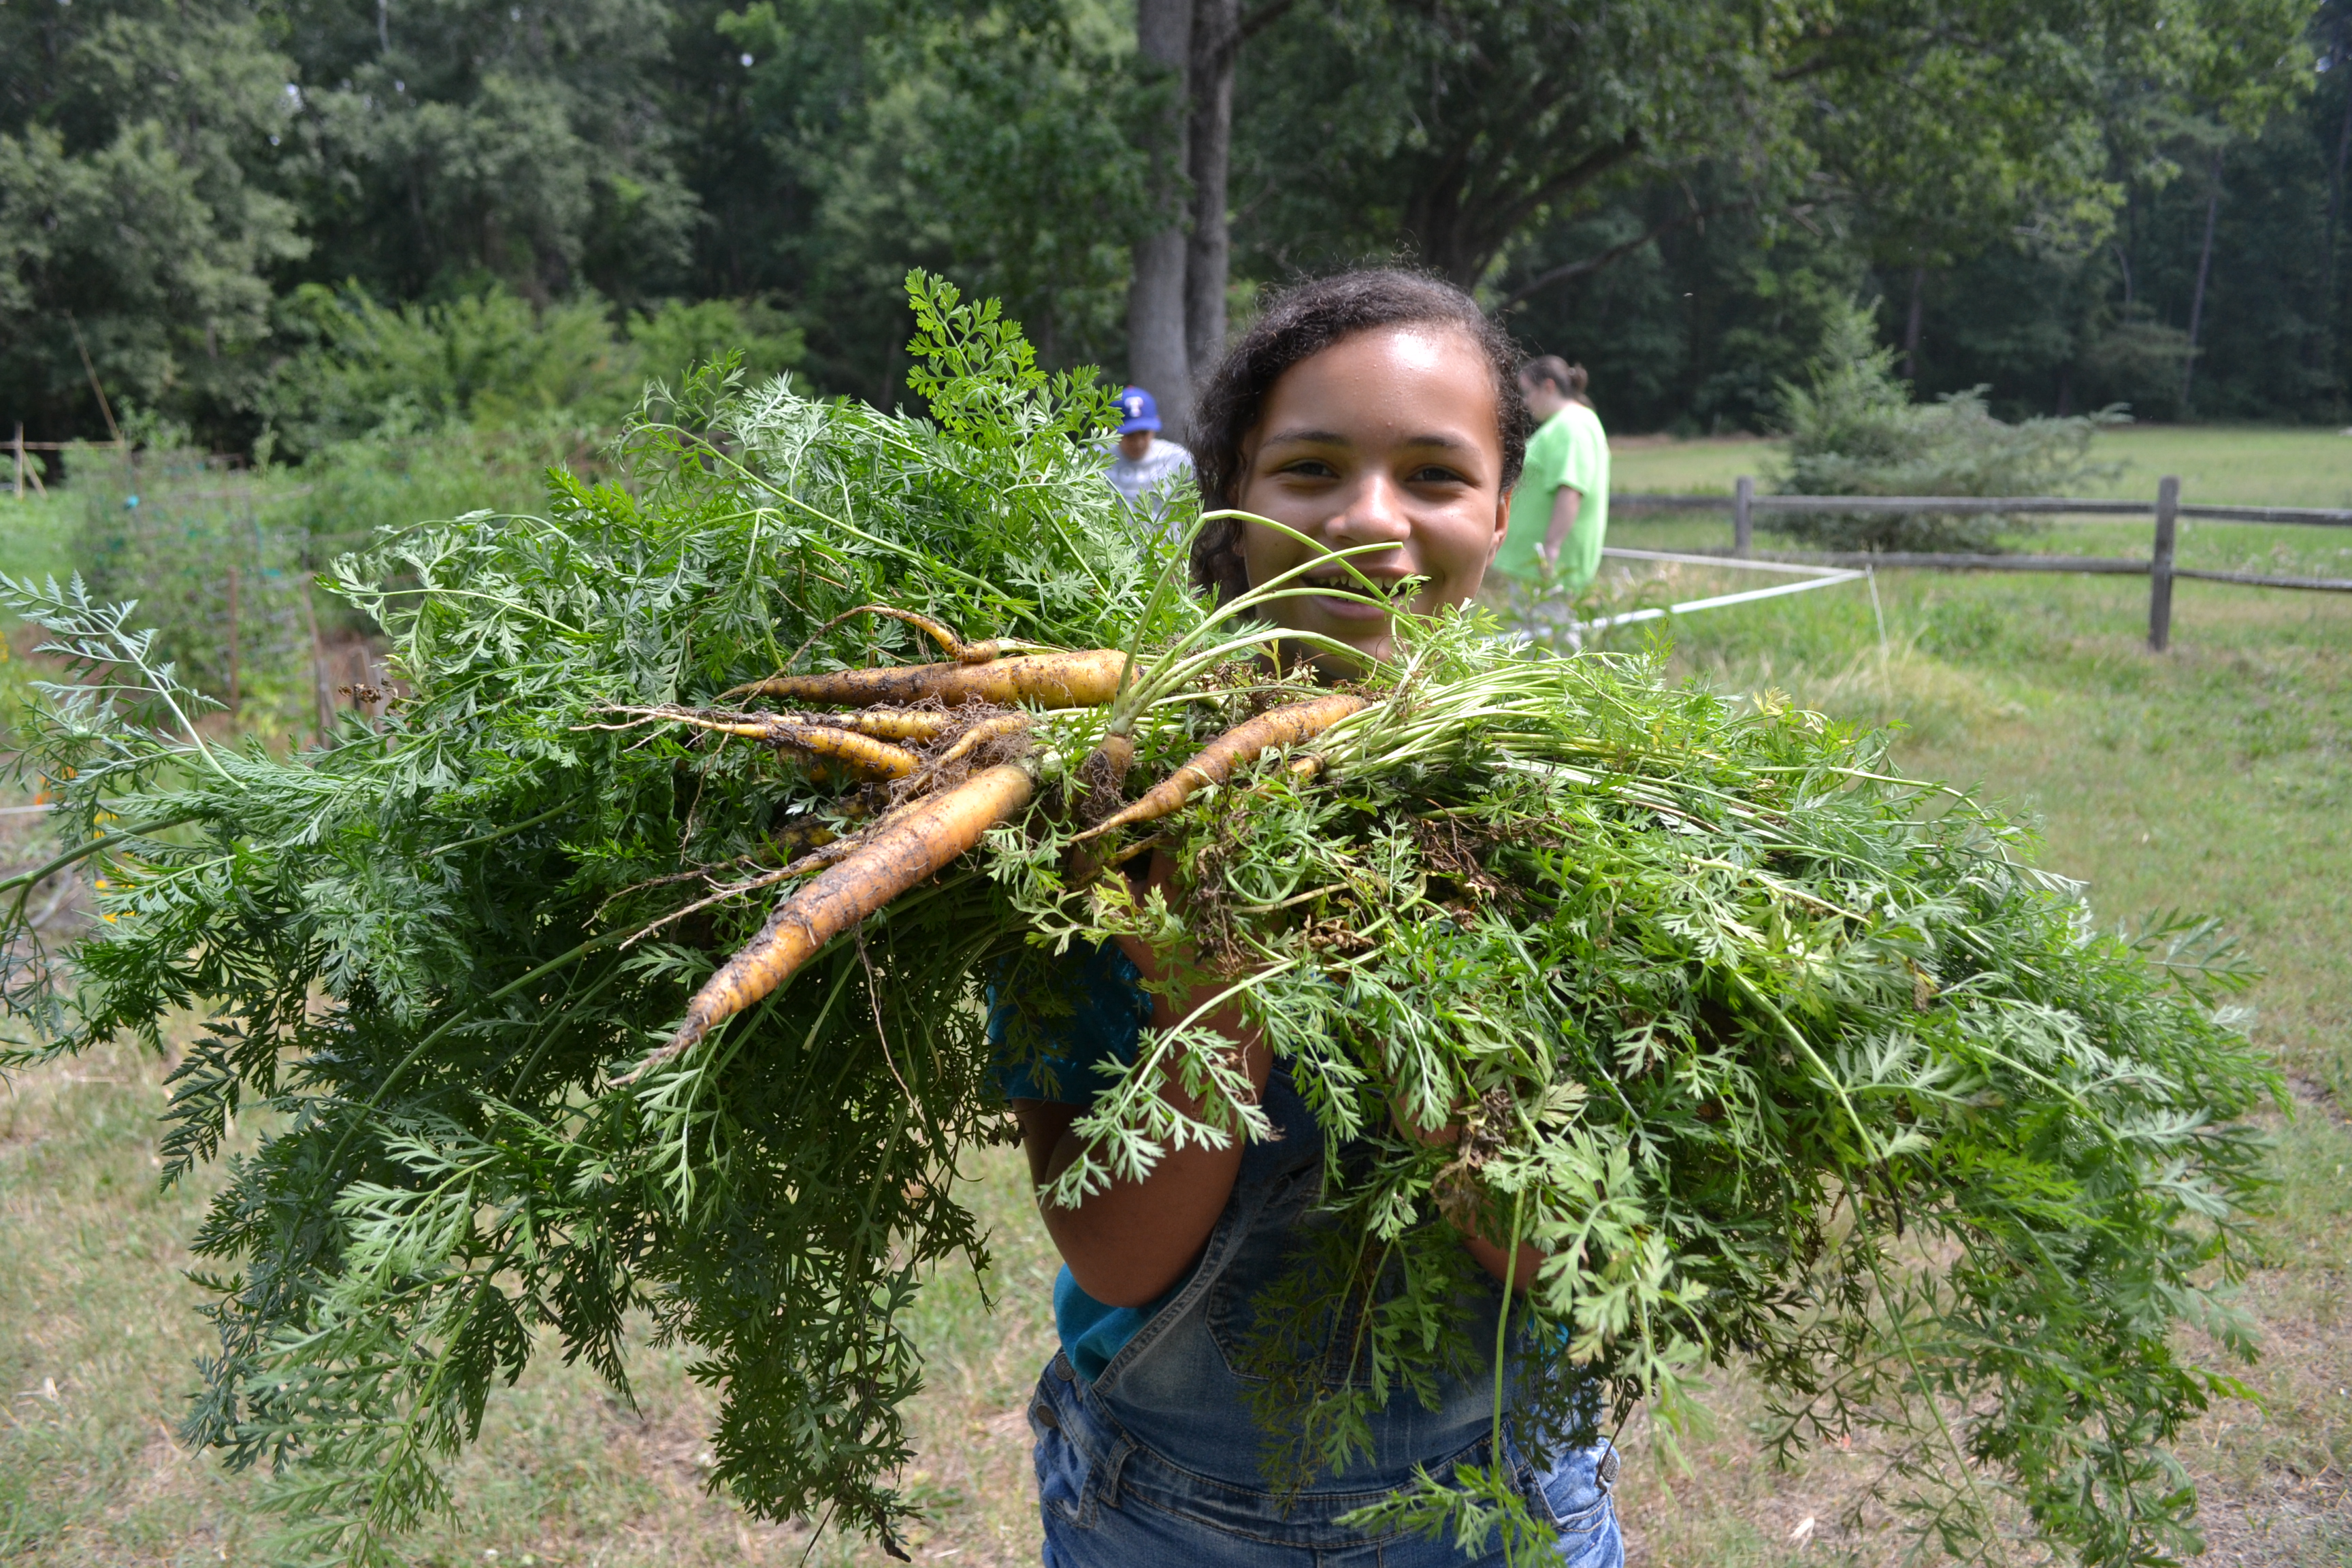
x=1147 y=469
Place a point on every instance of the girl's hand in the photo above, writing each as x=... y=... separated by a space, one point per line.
x=1491 y=1255
x=1129 y=1243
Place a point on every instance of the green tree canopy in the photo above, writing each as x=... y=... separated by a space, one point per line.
x=142 y=202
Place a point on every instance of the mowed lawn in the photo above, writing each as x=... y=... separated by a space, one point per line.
x=2215 y=777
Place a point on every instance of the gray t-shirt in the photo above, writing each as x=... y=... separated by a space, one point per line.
x=1149 y=481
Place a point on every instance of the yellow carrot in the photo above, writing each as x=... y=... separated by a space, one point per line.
x=954 y=646
x=917 y=843
x=837 y=742
x=886 y=723
x=1243 y=743
x=979 y=735
x=1082 y=680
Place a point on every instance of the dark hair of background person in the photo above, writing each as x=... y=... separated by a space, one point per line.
x=1570 y=379
x=1300 y=323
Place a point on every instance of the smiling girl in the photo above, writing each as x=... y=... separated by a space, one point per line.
x=1371 y=409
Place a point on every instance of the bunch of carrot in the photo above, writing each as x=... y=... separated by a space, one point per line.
x=634 y=963
x=929 y=829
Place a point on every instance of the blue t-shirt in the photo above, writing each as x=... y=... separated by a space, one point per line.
x=1109 y=1012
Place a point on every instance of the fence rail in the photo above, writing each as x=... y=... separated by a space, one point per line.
x=2167 y=509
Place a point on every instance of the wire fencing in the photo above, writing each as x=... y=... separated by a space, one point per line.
x=228 y=586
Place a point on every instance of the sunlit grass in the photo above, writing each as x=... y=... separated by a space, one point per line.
x=2214 y=463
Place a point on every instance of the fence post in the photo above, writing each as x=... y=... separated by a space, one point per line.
x=1743 y=529
x=2159 y=565
x=236 y=697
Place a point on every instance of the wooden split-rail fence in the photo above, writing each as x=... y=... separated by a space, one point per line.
x=2159 y=568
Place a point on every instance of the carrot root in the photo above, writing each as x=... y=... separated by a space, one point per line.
x=954 y=646
x=1215 y=763
x=979 y=735
x=884 y=723
x=1082 y=680
x=911 y=845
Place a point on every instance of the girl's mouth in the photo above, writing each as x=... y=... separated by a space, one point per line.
x=1347 y=598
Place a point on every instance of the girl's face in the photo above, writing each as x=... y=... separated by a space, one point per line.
x=1389 y=436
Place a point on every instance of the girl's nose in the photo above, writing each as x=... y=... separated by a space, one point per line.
x=1374 y=514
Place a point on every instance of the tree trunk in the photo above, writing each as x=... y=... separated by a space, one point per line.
x=2335 y=203
x=1155 y=297
x=1911 y=326
x=1208 y=251
x=2197 y=296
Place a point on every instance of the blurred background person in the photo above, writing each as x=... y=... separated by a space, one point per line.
x=1146 y=471
x=1560 y=513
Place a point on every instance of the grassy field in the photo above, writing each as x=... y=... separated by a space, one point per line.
x=2216 y=777
x=2251 y=466
x=2215 y=463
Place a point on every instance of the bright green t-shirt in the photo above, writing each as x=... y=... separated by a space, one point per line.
x=1570 y=449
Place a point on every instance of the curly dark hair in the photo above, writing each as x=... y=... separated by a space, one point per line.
x=1302 y=322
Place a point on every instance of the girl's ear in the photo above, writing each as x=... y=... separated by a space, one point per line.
x=1502 y=526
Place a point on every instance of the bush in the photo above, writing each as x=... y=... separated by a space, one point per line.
x=1854 y=431
x=680 y=336
x=165 y=526
x=495 y=361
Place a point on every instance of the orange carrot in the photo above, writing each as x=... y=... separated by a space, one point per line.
x=1083 y=679
x=1242 y=743
x=904 y=850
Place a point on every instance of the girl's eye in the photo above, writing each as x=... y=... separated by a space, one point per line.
x=1312 y=468
x=1434 y=474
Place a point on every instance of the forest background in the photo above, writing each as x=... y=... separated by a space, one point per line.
x=276 y=224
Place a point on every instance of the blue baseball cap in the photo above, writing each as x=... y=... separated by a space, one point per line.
x=1140 y=412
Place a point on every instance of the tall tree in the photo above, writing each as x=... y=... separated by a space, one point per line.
x=1215 y=50
x=1446 y=129
x=142 y=152
x=990 y=139
x=523 y=138
x=1156 y=355
x=1219 y=28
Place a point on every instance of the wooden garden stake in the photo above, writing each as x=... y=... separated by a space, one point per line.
x=325 y=704
x=2159 y=566
x=235 y=699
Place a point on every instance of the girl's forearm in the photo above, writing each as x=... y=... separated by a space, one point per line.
x=1128 y=1244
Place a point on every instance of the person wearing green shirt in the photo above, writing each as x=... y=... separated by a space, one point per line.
x=1560 y=513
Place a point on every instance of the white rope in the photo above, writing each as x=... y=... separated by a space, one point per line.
x=1814 y=577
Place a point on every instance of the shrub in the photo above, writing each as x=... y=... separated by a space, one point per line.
x=679 y=336
x=1854 y=431
x=490 y=357
x=493 y=360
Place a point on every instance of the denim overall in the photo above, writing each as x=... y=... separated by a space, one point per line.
x=1156 y=1461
